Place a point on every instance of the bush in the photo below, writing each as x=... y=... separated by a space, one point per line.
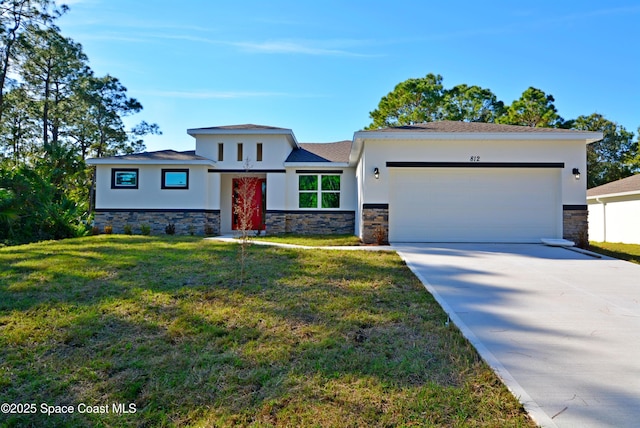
x=170 y=229
x=208 y=230
x=108 y=230
x=95 y=230
x=128 y=230
x=192 y=230
x=145 y=229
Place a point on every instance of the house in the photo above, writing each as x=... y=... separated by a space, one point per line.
x=434 y=182
x=614 y=211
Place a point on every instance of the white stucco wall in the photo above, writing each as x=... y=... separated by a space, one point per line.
x=149 y=194
x=615 y=220
x=378 y=152
x=275 y=149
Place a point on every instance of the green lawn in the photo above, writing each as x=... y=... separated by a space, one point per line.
x=629 y=252
x=313 y=240
x=311 y=338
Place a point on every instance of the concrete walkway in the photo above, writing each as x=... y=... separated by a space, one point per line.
x=561 y=328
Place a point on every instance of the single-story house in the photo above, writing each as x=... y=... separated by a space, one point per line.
x=434 y=182
x=614 y=211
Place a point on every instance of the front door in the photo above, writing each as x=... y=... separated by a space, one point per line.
x=248 y=204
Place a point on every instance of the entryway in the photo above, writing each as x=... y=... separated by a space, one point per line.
x=248 y=203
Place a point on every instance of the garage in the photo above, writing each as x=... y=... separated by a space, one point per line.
x=487 y=203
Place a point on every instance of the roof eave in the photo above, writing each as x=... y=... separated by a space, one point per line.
x=106 y=161
x=317 y=165
x=589 y=137
x=288 y=133
x=613 y=195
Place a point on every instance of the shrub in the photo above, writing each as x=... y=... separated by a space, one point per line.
x=145 y=229
x=208 y=230
x=170 y=229
x=128 y=230
x=108 y=230
x=95 y=230
x=192 y=230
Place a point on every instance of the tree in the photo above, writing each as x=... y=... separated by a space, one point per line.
x=51 y=66
x=412 y=101
x=15 y=17
x=426 y=100
x=18 y=129
x=612 y=158
x=471 y=104
x=535 y=109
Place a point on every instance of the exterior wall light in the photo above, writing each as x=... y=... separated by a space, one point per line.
x=376 y=173
x=576 y=173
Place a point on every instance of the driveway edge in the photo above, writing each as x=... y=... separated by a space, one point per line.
x=536 y=413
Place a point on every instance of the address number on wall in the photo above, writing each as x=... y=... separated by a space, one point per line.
x=474 y=159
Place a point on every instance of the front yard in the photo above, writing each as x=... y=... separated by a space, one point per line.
x=162 y=328
x=629 y=252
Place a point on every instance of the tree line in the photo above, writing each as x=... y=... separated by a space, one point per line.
x=425 y=99
x=55 y=112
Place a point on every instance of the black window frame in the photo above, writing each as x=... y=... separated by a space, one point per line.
x=115 y=171
x=319 y=191
x=163 y=183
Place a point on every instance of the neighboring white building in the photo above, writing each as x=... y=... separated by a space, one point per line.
x=434 y=182
x=614 y=211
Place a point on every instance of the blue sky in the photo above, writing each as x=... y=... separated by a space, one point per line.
x=319 y=67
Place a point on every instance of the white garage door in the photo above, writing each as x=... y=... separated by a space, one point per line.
x=474 y=204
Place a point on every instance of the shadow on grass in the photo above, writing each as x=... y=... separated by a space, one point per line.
x=165 y=324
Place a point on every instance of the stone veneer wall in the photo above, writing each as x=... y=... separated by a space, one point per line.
x=310 y=222
x=375 y=219
x=575 y=224
x=200 y=221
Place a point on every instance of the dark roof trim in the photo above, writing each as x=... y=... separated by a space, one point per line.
x=156 y=210
x=475 y=164
x=319 y=171
x=251 y=171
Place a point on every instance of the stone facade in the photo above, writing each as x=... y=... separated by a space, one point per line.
x=375 y=223
x=575 y=224
x=198 y=222
x=310 y=222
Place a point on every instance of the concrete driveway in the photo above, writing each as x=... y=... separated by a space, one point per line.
x=562 y=329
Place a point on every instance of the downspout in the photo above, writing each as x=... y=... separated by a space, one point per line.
x=604 y=219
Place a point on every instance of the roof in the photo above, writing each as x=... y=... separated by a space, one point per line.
x=248 y=126
x=161 y=156
x=482 y=127
x=624 y=186
x=246 y=129
x=321 y=152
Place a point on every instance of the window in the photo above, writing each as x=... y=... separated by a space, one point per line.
x=175 y=178
x=240 y=155
x=220 y=152
x=124 y=178
x=259 y=152
x=319 y=191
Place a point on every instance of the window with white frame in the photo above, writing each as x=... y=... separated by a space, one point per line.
x=319 y=191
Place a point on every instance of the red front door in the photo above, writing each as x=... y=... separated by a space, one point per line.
x=248 y=203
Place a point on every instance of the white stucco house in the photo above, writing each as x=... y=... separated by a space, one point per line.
x=434 y=182
x=614 y=211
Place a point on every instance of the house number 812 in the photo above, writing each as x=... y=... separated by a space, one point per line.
x=474 y=159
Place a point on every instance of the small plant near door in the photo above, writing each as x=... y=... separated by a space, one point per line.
x=245 y=209
x=380 y=235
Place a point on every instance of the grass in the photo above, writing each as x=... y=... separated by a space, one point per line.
x=312 y=338
x=629 y=252
x=313 y=240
